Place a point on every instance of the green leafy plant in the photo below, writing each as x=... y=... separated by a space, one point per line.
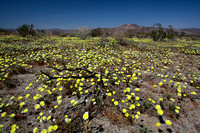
x=145 y=129
x=172 y=107
x=158 y=34
x=26 y=30
x=95 y=32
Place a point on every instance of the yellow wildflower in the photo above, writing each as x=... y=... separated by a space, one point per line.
x=55 y=127
x=124 y=110
x=3 y=114
x=50 y=128
x=116 y=102
x=44 y=131
x=159 y=111
x=158 y=124
x=168 y=122
x=37 y=106
x=42 y=103
x=85 y=115
x=157 y=107
x=137 y=98
x=12 y=115
x=126 y=114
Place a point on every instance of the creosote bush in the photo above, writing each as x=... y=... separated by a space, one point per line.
x=26 y=30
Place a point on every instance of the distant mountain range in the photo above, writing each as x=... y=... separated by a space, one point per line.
x=136 y=28
x=133 y=27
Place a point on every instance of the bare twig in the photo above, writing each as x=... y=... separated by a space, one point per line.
x=74 y=77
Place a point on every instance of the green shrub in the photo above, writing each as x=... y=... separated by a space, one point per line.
x=95 y=32
x=26 y=30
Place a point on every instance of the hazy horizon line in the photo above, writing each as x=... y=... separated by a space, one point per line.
x=93 y=27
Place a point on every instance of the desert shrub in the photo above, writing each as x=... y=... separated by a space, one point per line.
x=182 y=34
x=158 y=34
x=4 y=32
x=118 y=35
x=129 y=34
x=83 y=33
x=105 y=33
x=105 y=41
x=133 y=43
x=26 y=30
x=123 y=42
x=95 y=32
x=171 y=34
x=141 y=34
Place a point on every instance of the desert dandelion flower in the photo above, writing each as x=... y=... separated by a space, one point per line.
x=55 y=127
x=116 y=102
x=159 y=111
x=158 y=124
x=44 y=131
x=168 y=122
x=85 y=115
x=37 y=106
x=42 y=103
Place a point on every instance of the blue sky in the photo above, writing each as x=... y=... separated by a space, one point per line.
x=72 y=14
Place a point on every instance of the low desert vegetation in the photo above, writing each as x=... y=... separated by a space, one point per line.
x=62 y=84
